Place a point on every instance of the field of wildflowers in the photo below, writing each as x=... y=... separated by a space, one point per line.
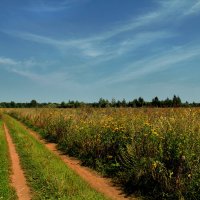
x=149 y=151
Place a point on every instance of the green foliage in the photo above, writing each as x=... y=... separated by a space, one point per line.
x=153 y=152
x=104 y=103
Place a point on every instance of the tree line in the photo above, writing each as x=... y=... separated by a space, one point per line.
x=103 y=103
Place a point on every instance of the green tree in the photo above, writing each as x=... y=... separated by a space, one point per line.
x=156 y=102
x=103 y=103
x=141 y=102
x=33 y=103
x=176 y=101
x=12 y=104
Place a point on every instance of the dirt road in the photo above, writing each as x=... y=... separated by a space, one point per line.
x=17 y=178
x=97 y=182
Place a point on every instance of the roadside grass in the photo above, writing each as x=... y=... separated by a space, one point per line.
x=47 y=175
x=6 y=191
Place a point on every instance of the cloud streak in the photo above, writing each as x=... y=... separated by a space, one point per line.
x=43 y=6
x=7 y=61
x=160 y=62
x=195 y=9
x=94 y=49
x=26 y=69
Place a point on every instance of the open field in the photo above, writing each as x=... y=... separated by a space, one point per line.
x=47 y=176
x=152 y=152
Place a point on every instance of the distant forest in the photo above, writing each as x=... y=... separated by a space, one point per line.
x=104 y=103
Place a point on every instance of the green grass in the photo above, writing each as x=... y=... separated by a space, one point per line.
x=46 y=174
x=6 y=191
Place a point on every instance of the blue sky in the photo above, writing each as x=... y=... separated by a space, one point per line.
x=56 y=50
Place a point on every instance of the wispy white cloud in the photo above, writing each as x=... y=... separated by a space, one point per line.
x=129 y=45
x=36 y=38
x=22 y=64
x=141 y=39
x=26 y=68
x=7 y=61
x=163 y=61
x=83 y=45
x=49 y=79
x=52 y=6
x=165 y=11
x=195 y=9
x=91 y=48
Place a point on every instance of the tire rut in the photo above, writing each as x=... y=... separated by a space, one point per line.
x=18 y=179
x=100 y=184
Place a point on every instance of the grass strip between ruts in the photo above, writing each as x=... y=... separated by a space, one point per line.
x=46 y=174
x=6 y=191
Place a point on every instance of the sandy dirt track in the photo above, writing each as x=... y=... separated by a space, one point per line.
x=100 y=184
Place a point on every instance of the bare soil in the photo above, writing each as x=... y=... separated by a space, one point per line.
x=17 y=177
x=100 y=184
